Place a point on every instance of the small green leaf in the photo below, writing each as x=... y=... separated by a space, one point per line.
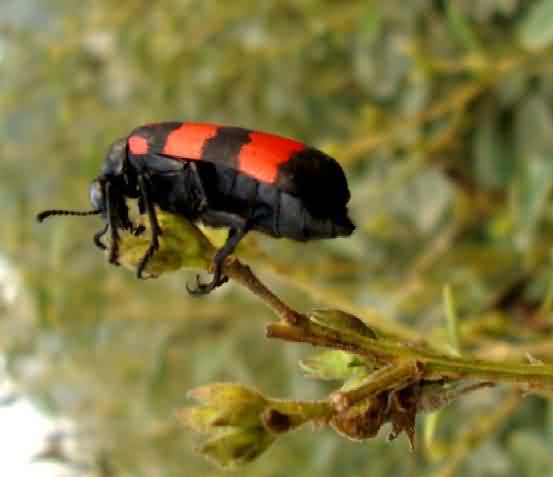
x=334 y=365
x=338 y=320
x=236 y=448
x=536 y=29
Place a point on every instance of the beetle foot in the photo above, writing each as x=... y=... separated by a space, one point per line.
x=206 y=288
x=98 y=238
x=114 y=255
x=145 y=259
x=138 y=230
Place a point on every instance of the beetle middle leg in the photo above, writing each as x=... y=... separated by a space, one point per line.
x=202 y=205
x=155 y=229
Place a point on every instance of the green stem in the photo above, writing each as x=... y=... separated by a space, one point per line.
x=308 y=410
x=435 y=365
x=244 y=275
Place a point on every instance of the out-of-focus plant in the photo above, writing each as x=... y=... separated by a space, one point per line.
x=440 y=112
x=384 y=379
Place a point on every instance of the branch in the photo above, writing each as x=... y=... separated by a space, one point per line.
x=384 y=380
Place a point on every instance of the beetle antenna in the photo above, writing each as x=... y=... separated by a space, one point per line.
x=48 y=213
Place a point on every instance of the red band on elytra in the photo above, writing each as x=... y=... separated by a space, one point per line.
x=261 y=157
x=138 y=145
x=188 y=140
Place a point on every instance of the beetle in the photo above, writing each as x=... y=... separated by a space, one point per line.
x=223 y=176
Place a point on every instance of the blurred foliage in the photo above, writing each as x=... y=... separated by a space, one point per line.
x=440 y=112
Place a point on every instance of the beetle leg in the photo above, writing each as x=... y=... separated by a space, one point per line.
x=138 y=230
x=141 y=206
x=154 y=225
x=234 y=236
x=203 y=201
x=98 y=238
x=112 y=224
x=236 y=233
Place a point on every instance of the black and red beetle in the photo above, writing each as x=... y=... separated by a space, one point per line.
x=224 y=177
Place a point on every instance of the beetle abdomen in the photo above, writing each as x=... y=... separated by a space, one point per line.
x=272 y=211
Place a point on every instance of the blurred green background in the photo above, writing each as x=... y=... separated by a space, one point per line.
x=440 y=113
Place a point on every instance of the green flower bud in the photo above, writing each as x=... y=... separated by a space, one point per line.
x=235 y=448
x=224 y=405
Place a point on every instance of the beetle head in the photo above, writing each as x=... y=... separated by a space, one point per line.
x=112 y=172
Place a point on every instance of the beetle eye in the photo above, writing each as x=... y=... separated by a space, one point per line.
x=97 y=196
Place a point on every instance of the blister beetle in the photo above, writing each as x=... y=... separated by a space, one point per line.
x=224 y=177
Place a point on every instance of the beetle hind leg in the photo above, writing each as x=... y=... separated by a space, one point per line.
x=206 y=288
x=234 y=236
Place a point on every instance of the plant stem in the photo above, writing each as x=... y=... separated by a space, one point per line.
x=434 y=365
x=395 y=376
x=244 y=275
x=297 y=327
x=308 y=410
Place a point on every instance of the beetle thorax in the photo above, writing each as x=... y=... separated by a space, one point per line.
x=115 y=158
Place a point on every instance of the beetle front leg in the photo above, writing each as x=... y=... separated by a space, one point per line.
x=98 y=238
x=113 y=224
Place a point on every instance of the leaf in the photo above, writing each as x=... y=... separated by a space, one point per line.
x=536 y=29
x=530 y=452
x=371 y=21
x=334 y=365
x=460 y=28
x=338 y=320
x=182 y=244
x=493 y=160
x=534 y=148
